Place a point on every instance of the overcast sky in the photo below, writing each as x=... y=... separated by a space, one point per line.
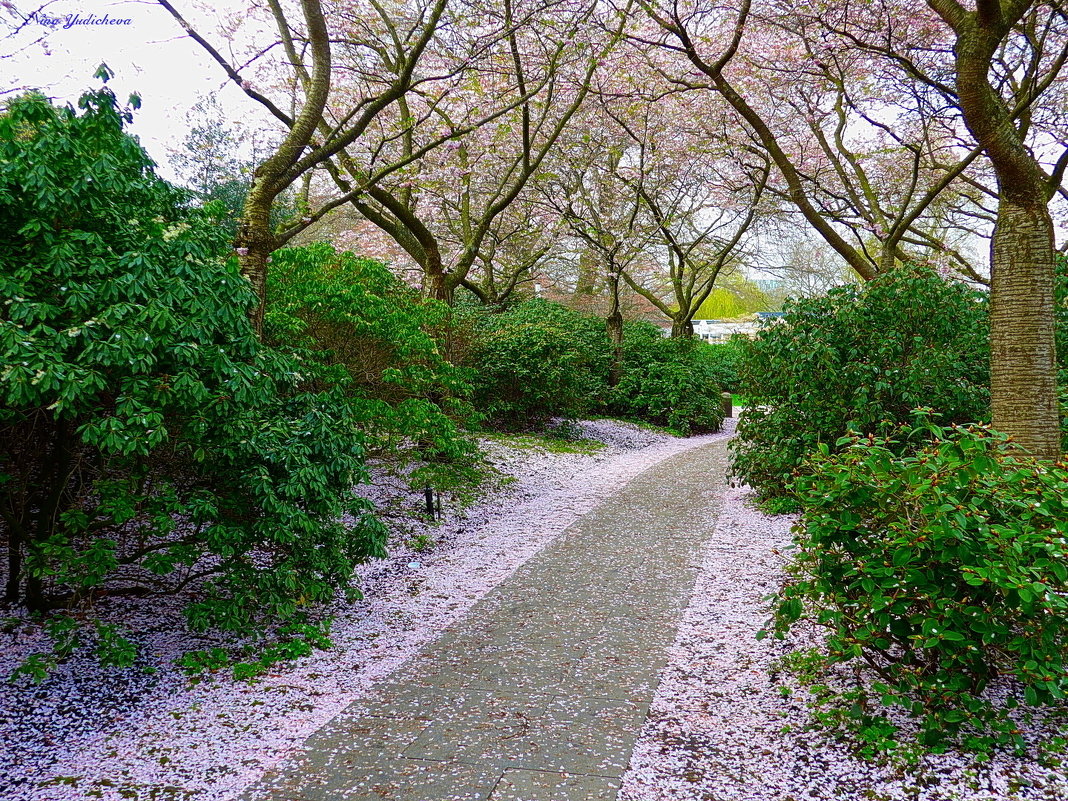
x=151 y=56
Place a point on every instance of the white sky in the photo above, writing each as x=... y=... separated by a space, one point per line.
x=151 y=56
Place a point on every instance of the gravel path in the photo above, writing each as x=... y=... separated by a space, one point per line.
x=720 y=728
x=94 y=733
x=538 y=693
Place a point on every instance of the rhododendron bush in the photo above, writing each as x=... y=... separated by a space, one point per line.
x=938 y=573
x=862 y=358
x=149 y=443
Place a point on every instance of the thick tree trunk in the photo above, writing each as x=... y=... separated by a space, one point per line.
x=439 y=288
x=887 y=257
x=1023 y=366
x=440 y=285
x=1023 y=362
x=255 y=242
x=681 y=328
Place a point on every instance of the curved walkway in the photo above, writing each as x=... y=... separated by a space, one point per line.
x=539 y=692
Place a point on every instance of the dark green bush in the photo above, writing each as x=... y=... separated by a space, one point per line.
x=670 y=382
x=937 y=571
x=148 y=442
x=538 y=360
x=354 y=314
x=861 y=358
x=726 y=360
x=1061 y=332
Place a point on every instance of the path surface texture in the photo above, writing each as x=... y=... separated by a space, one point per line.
x=540 y=690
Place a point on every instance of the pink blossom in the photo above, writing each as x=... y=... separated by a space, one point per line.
x=241 y=251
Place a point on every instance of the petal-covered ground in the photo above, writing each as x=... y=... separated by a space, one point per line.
x=725 y=727
x=88 y=732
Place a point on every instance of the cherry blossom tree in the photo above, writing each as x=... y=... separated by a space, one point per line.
x=518 y=245
x=664 y=204
x=1023 y=375
x=606 y=222
x=860 y=161
x=446 y=211
x=348 y=84
x=1013 y=53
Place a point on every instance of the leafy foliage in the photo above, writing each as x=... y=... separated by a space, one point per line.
x=353 y=314
x=668 y=381
x=538 y=360
x=148 y=442
x=938 y=570
x=726 y=360
x=723 y=304
x=860 y=358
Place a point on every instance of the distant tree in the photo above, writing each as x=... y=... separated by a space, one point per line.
x=736 y=296
x=210 y=152
x=659 y=204
x=217 y=160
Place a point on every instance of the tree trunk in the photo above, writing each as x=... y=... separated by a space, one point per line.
x=440 y=289
x=14 y=565
x=887 y=256
x=681 y=328
x=35 y=595
x=255 y=242
x=1023 y=363
x=439 y=285
x=49 y=499
x=614 y=325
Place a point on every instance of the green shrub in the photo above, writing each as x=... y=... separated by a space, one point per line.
x=937 y=571
x=148 y=442
x=862 y=358
x=726 y=360
x=538 y=360
x=1061 y=332
x=670 y=382
x=354 y=314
